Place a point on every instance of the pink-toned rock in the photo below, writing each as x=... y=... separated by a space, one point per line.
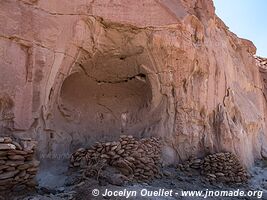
x=77 y=72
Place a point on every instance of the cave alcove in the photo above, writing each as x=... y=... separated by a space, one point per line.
x=102 y=105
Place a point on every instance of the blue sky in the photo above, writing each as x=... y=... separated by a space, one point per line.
x=247 y=19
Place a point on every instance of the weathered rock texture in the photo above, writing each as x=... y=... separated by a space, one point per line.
x=262 y=64
x=139 y=160
x=218 y=167
x=17 y=164
x=76 y=72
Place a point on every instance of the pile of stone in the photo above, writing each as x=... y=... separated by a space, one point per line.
x=17 y=164
x=224 y=167
x=219 y=167
x=192 y=163
x=138 y=160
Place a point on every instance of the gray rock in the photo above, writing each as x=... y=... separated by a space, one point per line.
x=4 y=146
x=8 y=174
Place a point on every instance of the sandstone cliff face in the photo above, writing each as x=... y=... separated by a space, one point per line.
x=76 y=72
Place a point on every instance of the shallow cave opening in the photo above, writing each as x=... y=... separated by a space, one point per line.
x=95 y=107
x=102 y=106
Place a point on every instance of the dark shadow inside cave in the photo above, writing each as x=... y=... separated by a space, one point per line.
x=91 y=109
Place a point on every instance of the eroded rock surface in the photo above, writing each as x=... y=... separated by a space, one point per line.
x=77 y=72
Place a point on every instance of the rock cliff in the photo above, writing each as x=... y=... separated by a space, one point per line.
x=77 y=72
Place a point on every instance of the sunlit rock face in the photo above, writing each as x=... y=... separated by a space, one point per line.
x=77 y=72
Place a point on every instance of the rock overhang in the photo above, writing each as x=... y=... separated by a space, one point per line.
x=190 y=59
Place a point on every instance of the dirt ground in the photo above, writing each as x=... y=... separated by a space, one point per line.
x=76 y=188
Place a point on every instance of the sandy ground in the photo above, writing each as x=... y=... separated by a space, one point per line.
x=59 y=183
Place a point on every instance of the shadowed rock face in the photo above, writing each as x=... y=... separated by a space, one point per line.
x=82 y=71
